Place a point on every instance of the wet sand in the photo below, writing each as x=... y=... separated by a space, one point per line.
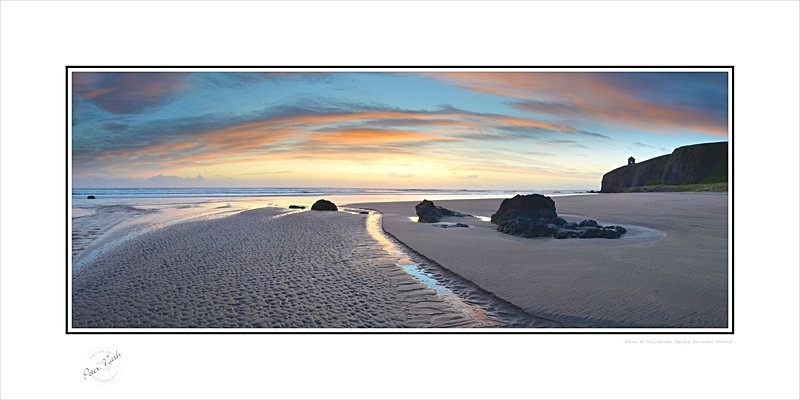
x=270 y=268
x=262 y=268
x=669 y=270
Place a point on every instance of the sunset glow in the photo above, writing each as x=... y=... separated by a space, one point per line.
x=476 y=130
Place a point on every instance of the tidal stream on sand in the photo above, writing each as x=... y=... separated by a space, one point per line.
x=480 y=305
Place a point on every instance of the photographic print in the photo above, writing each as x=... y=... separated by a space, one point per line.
x=413 y=200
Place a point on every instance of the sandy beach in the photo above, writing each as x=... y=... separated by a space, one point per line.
x=669 y=270
x=213 y=265
x=259 y=268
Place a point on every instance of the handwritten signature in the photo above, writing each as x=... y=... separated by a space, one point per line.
x=103 y=361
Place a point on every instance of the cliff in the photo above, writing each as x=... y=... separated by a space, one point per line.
x=705 y=163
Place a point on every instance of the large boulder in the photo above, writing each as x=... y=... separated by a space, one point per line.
x=525 y=206
x=534 y=215
x=324 y=205
x=428 y=212
x=90 y=197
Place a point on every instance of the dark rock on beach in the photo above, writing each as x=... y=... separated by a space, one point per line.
x=527 y=206
x=428 y=212
x=566 y=233
x=90 y=197
x=528 y=227
x=607 y=232
x=620 y=230
x=540 y=227
x=324 y=205
x=298 y=207
x=534 y=215
x=591 y=233
x=363 y=212
x=560 y=222
x=456 y=225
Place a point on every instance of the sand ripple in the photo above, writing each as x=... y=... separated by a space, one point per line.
x=304 y=269
x=87 y=227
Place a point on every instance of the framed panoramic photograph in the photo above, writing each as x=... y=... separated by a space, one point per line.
x=399 y=199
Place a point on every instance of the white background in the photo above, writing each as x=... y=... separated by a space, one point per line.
x=761 y=39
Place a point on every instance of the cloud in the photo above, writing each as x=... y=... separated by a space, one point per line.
x=128 y=92
x=323 y=129
x=543 y=133
x=114 y=127
x=658 y=102
x=647 y=146
x=156 y=181
x=237 y=80
x=593 y=134
x=304 y=131
x=562 y=141
x=374 y=136
x=471 y=176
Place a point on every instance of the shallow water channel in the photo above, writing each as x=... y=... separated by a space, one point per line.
x=480 y=305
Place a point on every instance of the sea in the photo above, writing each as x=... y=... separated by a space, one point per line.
x=248 y=198
x=204 y=201
x=369 y=194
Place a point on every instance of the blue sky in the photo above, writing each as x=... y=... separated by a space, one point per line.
x=476 y=130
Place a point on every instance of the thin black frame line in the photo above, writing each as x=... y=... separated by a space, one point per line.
x=68 y=155
x=478 y=330
x=733 y=213
x=387 y=1
x=397 y=333
x=402 y=66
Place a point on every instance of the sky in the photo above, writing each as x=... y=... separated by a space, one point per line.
x=366 y=129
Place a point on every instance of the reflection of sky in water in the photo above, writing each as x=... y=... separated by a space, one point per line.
x=376 y=231
x=428 y=280
x=482 y=218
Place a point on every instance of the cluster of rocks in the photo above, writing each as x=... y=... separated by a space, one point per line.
x=558 y=228
x=428 y=212
x=535 y=215
x=324 y=205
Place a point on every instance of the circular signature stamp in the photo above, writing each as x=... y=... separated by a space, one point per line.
x=103 y=365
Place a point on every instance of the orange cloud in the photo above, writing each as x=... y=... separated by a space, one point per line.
x=374 y=136
x=359 y=136
x=591 y=95
x=530 y=123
